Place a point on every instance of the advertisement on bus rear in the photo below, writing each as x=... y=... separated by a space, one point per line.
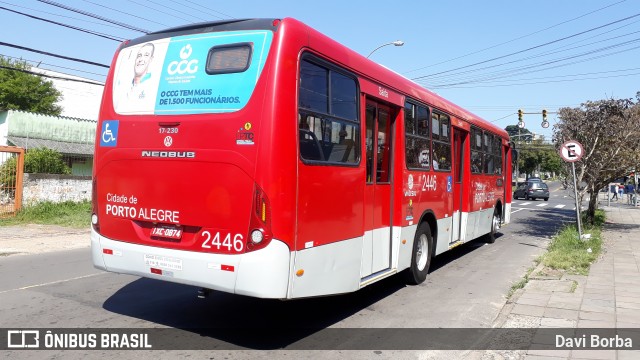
x=190 y=74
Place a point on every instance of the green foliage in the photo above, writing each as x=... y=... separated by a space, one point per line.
x=46 y=161
x=67 y=213
x=521 y=283
x=8 y=173
x=570 y=253
x=551 y=162
x=608 y=131
x=539 y=156
x=39 y=160
x=523 y=134
x=20 y=90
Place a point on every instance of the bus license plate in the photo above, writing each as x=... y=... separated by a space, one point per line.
x=170 y=232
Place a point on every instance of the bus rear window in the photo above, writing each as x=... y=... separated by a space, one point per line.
x=229 y=59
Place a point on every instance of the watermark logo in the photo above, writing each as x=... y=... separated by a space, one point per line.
x=23 y=339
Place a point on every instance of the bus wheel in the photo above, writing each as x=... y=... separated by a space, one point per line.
x=495 y=226
x=421 y=255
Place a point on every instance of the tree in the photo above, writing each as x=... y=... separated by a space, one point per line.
x=551 y=162
x=608 y=131
x=20 y=90
x=536 y=156
x=519 y=134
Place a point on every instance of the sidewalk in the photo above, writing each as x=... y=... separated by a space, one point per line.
x=609 y=297
x=35 y=239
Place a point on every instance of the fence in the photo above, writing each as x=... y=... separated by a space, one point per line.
x=11 y=173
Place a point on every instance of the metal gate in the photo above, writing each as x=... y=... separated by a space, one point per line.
x=11 y=171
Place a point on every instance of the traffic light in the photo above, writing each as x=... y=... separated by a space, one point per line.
x=519 y=114
x=544 y=115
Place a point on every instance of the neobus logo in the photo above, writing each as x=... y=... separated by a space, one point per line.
x=168 y=154
x=183 y=66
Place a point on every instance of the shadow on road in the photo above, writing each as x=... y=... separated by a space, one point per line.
x=620 y=227
x=245 y=322
x=545 y=223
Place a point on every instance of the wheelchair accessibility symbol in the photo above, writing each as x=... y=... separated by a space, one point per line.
x=109 y=133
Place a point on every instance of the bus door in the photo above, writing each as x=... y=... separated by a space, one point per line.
x=376 y=253
x=459 y=222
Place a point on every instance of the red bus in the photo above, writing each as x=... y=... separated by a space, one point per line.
x=262 y=158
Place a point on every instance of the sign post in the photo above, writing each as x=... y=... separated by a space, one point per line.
x=572 y=151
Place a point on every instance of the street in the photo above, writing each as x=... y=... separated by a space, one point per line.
x=466 y=288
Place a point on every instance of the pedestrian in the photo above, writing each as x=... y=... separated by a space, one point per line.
x=614 y=189
x=620 y=191
x=630 y=190
x=631 y=193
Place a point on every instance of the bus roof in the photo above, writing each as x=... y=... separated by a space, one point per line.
x=345 y=56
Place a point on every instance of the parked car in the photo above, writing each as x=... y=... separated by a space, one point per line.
x=532 y=190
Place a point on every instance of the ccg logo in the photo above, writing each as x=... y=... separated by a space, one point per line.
x=184 y=66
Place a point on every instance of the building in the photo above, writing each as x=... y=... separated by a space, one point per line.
x=80 y=98
x=72 y=137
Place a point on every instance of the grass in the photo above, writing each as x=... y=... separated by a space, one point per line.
x=568 y=252
x=70 y=214
x=520 y=284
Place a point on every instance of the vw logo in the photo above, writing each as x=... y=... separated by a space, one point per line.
x=168 y=141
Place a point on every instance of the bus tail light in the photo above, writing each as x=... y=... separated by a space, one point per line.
x=260 y=225
x=95 y=221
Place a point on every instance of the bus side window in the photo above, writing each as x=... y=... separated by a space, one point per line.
x=310 y=148
x=328 y=126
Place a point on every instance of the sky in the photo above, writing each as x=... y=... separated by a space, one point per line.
x=490 y=57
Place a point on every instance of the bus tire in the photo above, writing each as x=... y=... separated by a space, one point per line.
x=490 y=238
x=420 y=256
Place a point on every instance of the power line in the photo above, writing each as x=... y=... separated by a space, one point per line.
x=64 y=25
x=200 y=10
x=54 y=55
x=562 y=65
x=452 y=77
x=518 y=38
x=540 y=82
x=160 y=11
x=64 y=16
x=525 y=50
x=176 y=10
x=50 y=76
x=85 y=13
x=124 y=12
x=56 y=66
x=568 y=75
x=221 y=13
x=519 y=70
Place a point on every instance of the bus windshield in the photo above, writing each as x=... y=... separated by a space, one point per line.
x=190 y=74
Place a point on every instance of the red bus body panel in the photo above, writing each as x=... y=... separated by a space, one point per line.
x=211 y=184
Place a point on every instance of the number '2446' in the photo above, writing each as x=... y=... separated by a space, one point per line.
x=227 y=243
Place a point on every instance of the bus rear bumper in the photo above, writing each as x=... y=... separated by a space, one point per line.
x=263 y=273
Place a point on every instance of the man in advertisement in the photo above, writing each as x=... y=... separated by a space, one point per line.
x=141 y=74
x=135 y=91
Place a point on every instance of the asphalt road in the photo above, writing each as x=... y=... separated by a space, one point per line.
x=466 y=288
